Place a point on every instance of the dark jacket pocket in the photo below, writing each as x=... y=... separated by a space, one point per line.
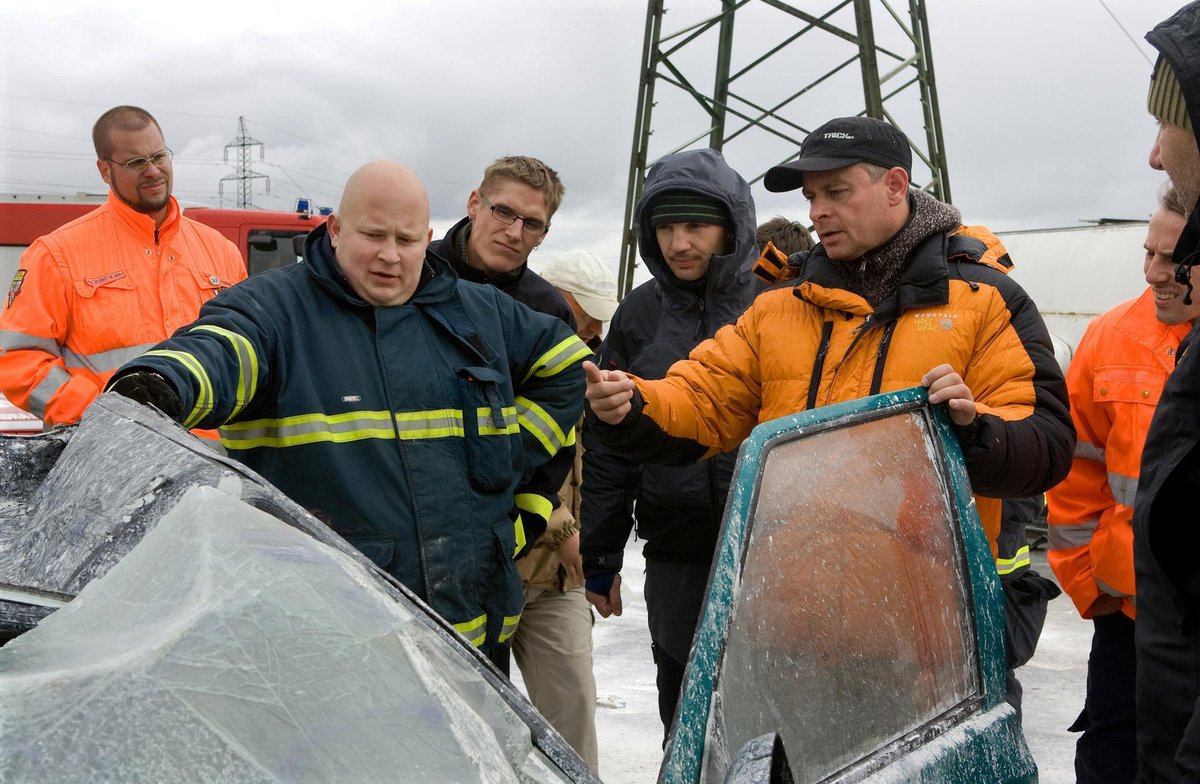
x=488 y=429
x=381 y=551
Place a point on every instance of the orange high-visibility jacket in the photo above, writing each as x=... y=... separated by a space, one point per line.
x=99 y=291
x=817 y=344
x=1114 y=382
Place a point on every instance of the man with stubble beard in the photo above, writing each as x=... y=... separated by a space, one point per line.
x=101 y=290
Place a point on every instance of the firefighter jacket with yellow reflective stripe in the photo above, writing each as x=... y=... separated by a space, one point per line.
x=538 y=497
x=406 y=428
x=818 y=343
x=1115 y=380
x=96 y=293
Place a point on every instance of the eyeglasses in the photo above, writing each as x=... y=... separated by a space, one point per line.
x=139 y=165
x=531 y=226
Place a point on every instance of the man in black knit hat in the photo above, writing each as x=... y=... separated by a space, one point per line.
x=695 y=225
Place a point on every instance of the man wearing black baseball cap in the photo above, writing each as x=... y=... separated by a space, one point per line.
x=839 y=143
x=897 y=293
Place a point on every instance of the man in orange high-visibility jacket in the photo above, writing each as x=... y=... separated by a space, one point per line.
x=101 y=290
x=1114 y=383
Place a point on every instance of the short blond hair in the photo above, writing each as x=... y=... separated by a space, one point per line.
x=532 y=172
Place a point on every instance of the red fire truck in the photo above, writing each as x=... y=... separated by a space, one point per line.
x=266 y=240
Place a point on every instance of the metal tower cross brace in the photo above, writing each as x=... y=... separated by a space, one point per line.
x=785 y=72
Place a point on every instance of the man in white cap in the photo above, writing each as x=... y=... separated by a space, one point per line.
x=553 y=644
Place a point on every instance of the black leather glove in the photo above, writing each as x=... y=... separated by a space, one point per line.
x=149 y=389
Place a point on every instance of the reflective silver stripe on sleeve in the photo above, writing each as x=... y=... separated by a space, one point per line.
x=540 y=425
x=559 y=358
x=1086 y=450
x=510 y=626
x=1124 y=488
x=21 y=341
x=1108 y=589
x=247 y=364
x=104 y=361
x=39 y=396
x=1064 y=537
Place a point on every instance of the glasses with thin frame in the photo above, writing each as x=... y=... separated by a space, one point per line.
x=139 y=165
x=531 y=226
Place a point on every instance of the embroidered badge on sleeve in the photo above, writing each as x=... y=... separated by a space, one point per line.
x=15 y=288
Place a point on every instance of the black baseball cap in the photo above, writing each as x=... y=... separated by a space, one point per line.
x=839 y=143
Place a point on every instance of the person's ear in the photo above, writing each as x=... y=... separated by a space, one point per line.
x=896 y=180
x=335 y=229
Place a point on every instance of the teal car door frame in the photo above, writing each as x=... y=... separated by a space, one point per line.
x=853 y=608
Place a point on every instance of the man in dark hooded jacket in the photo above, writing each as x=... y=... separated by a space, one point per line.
x=695 y=224
x=1166 y=538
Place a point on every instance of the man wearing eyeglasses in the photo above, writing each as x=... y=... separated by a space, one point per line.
x=101 y=290
x=508 y=217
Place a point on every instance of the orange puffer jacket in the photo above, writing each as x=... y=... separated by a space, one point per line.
x=1114 y=382
x=99 y=291
x=818 y=344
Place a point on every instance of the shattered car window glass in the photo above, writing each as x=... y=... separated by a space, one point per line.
x=228 y=646
x=852 y=624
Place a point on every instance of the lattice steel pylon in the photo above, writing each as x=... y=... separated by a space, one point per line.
x=788 y=71
x=243 y=175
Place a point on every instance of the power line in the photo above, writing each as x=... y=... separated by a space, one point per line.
x=1132 y=40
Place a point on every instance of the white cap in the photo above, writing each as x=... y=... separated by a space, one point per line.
x=589 y=279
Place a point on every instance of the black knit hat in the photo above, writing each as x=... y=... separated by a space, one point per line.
x=688 y=207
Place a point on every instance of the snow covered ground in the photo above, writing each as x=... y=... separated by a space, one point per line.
x=630 y=734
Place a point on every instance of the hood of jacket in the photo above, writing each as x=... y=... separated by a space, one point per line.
x=437 y=278
x=1178 y=40
x=705 y=172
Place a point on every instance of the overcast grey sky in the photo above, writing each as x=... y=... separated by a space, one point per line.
x=1043 y=102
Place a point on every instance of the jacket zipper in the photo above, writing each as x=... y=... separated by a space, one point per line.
x=881 y=357
x=859 y=331
x=814 y=381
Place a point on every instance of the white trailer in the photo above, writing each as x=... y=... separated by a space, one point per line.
x=1075 y=274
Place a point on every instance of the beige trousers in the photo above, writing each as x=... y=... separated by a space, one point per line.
x=553 y=648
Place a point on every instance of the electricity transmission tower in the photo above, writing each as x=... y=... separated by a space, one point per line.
x=243 y=175
x=785 y=72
